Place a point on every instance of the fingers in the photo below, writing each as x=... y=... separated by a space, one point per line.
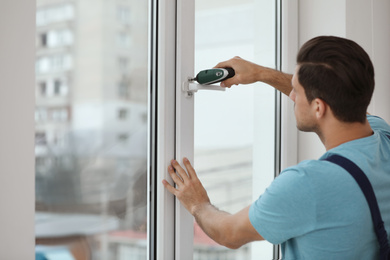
x=228 y=83
x=228 y=63
x=169 y=187
x=179 y=177
x=178 y=180
x=223 y=64
x=190 y=169
x=179 y=170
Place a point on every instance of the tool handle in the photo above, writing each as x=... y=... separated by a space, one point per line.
x=231 y=73
x=215 y=75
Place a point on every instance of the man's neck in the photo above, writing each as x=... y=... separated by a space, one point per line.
x=337 y=133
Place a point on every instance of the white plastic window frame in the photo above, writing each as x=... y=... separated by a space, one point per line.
x=161 y=238
x=289 y=49
x=172 y=133
x=172 y=61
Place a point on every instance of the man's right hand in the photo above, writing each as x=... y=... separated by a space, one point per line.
x=246 y=72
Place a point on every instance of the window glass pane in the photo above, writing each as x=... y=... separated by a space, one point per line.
x=229 y=125
x=91 y=129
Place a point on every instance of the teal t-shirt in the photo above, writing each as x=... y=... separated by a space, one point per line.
x=316 y=210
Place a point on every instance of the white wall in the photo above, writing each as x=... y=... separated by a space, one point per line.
x=17 y=55
x=365 y=21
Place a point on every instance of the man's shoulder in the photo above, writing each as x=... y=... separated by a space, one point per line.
x=309 y=167
x=317 y=173
x=378 y=124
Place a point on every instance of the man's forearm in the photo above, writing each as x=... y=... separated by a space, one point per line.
x=279 y=80
x=212 y=221
x=230 y=230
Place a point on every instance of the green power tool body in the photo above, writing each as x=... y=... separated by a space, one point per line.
x=210 y=76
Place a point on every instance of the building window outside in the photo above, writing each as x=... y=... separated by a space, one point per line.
x=57 y=62
x=58 y=38
x=124 y=90
x=57 y=87
x=40 y=162
x=144 y=117
x=58 y=139
x=40 y=138
x=60 y=87
x=122 y=114
x=123 y=14
x=43 y=88
x=41 y=115
x=123 y=40
x=42 y=65
x=123 y=137
x=43 y=40
x=123 y=63
x=52 y=14
x=53 y=63
x=59 y=114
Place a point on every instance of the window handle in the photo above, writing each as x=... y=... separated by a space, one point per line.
x=189 y=87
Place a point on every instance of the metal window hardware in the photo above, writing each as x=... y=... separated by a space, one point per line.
x=190 y=87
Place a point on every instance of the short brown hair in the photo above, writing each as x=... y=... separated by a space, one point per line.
x=340 y=72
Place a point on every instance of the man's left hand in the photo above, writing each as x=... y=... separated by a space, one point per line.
x=189 y=190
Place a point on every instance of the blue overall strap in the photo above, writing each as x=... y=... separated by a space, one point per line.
x=368 y=191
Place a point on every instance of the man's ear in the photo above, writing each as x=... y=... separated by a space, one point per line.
x=320 y=108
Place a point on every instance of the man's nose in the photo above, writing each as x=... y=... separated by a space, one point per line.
x=292 y=95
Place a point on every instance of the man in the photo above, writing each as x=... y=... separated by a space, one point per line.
x=315 y=209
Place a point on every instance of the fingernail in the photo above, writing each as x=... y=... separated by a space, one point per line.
x=170 y=168
x=185 y=159
x=223 y=85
